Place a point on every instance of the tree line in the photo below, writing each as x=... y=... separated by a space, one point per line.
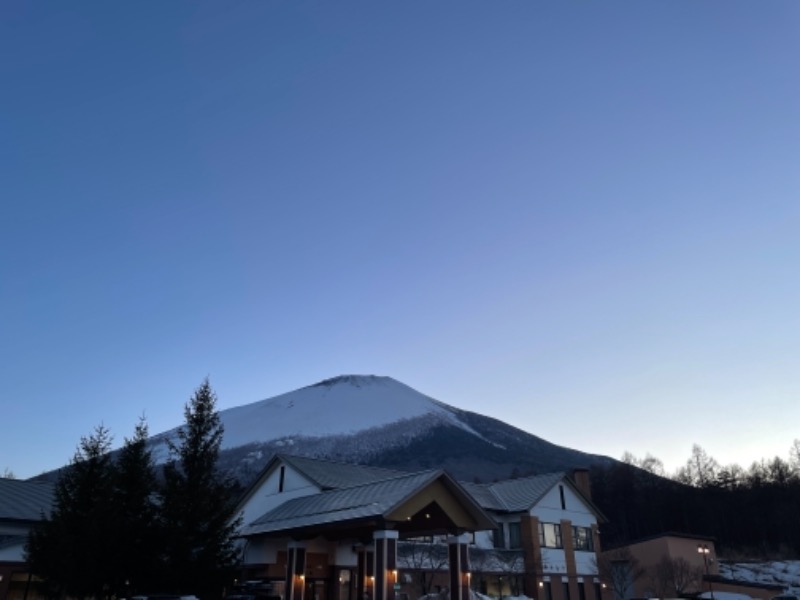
x=120 y=527
x=752 y=512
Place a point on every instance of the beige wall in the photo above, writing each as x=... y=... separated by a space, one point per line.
x=650 y=552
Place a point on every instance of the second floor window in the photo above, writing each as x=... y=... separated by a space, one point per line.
x=499 y=538
x=514 y=536
x=582 y=539
x=550 y=535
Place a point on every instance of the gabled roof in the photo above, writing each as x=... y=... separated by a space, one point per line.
x=377 y=500
x=368 y=500
x=324 y=474
x=513 y=495
x=357 y=492
x=524 y=493
x=521 y=495
x=24 y=500
x=330 y=475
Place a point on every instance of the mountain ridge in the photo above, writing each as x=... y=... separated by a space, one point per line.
x=379 y=421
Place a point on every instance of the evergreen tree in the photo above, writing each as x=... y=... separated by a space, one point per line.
x=198 y=503
x=72 y=548
x=135 y=507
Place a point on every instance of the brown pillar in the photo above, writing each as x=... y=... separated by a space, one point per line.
x=295 y=571
x=571 y=576
x=385 y=571
x=364 y=573
x=529 y=533
x=458 y=555
x=596 y=540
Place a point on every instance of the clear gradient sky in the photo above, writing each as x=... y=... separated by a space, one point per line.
x=582 y=218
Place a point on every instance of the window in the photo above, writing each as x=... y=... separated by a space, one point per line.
x=582 y=539
x=597 y=592
x=566 y=590
x=581 y=591
x=282 y=478
x=499 y=537
x=550 y=535
x=514 y=536
x=561 y=494
x=548 y=591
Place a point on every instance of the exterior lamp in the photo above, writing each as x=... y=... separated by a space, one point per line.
x=706 y=551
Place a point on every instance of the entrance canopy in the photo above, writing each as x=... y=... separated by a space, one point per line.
x=415 y=504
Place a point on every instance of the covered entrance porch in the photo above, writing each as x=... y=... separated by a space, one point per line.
x=342 y=544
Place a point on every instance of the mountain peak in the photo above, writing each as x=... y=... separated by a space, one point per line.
x=353 y=380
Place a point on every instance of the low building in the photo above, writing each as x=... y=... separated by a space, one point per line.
x=319 y=530
x=672 y=565
x=22 y=505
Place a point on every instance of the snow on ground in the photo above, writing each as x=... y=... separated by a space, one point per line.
x=473 y=594
x=725 y=596
x=780 y=572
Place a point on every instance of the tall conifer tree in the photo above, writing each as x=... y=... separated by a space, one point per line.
x=198 y=503
x=135 y=507
x=73 y=548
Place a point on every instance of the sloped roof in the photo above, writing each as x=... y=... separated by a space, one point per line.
x=330 y=475
x=520 y=495
x=483 y=495
x=358 y=502
x=24 y=500
x=9 y=541
x=514 y=495
x=357 y=492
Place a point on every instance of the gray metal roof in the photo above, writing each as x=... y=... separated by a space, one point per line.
x=482 y=494
x=9 y=541
x=24 y=500
x=369 y=500
x=332 y=475
x=513 y=495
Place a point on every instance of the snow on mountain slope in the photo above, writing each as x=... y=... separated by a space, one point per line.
x=343 y=405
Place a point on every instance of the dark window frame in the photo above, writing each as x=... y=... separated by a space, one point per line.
x=514 y=535
x=558 y=540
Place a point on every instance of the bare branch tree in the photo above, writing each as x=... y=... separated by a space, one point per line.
x=674 y=577
x=424 y=557
x=621 y=570
x=512 y=566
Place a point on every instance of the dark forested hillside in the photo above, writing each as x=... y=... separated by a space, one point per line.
x=756 y=515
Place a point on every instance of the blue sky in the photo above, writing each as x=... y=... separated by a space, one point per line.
x=579 y=218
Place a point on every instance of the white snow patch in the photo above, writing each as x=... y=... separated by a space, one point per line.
x=785 y=573
x=725 y=596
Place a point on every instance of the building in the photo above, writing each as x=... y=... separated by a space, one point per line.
x=22 y=505
x=673 y=565
x=319 y=530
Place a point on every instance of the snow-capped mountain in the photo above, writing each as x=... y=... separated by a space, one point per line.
x=377 y=420
x=340 y=406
